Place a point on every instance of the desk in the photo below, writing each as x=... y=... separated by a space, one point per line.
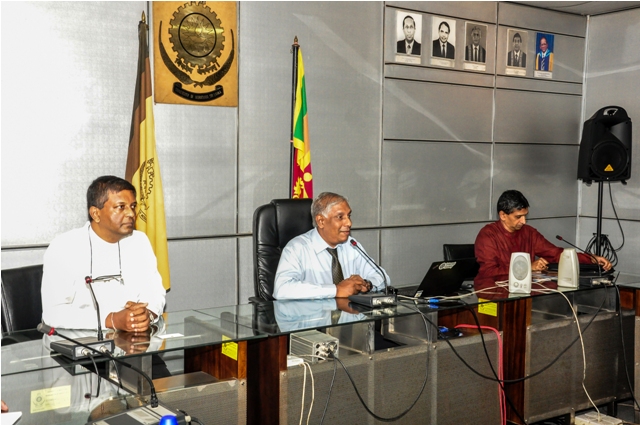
x=28 y=368
x=254 y=385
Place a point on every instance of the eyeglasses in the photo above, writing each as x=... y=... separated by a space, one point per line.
x=109 y=277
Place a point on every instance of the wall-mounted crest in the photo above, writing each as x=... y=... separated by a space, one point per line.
x=195 y=53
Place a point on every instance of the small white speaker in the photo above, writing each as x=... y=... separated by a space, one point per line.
x=520 y=273
x=568 y=268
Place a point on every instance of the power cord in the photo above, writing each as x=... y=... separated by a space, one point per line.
x=313 y=392
x=584 y=355
x=190 y=419
x=364 y=404
x=512 y=381
x=606 y=249
x=333 y=380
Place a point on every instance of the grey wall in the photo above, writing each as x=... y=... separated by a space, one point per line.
x=421 y=151
x=612 y=76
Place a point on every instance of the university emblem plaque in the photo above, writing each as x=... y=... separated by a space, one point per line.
x=195 y=53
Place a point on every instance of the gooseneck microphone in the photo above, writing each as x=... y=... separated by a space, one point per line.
x=88 y=280
x=384 y=276
x=368 y=299
x=103 y=347
x=560 y=238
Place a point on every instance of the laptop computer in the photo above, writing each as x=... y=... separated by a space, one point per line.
x=444 y=278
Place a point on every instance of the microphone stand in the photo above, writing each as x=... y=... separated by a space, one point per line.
x=88 y=280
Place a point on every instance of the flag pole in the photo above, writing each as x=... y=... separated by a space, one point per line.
x=294 y=49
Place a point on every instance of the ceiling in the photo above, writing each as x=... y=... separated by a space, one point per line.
x=584 y=7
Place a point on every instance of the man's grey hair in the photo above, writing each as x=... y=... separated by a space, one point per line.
x=323 y=204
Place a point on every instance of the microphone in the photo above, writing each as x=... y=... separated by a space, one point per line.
x=560 y=238
x=384 y=277
x=88 y=280
x=373 y=300
x=100 y=347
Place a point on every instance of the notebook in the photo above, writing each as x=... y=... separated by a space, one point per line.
x=445 y=278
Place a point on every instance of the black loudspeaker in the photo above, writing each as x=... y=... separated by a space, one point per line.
x=605 y=148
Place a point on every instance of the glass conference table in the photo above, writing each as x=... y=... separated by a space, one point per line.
x=236 y=368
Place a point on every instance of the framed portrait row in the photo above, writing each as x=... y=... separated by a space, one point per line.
x=443 y=48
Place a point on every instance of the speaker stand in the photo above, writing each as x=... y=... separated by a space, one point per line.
x=599 y=219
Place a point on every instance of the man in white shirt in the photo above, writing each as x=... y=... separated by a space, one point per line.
x=322 y=263
x=110 y=253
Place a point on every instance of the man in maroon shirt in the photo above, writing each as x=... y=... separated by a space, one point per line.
x=497 y=241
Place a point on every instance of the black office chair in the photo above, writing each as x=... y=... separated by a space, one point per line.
x=21 y=303
x=274 y=225
x=458 y=251
x=461 y=252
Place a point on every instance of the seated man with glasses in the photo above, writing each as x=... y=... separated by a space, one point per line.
x=111 y=256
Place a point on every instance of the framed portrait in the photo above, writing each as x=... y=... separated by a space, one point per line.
x=517 y=51
x=544 y=55
x=475 y=49
x=408 y=37
x=443 y=47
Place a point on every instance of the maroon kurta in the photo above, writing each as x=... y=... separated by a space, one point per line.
x=494 y=245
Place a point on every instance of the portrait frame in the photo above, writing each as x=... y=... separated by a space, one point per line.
x=448 y=58
x=517 y=66
x=469 y=27
x=400 y=37
x=544 y=68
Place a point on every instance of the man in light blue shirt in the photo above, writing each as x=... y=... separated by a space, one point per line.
x=307 y=268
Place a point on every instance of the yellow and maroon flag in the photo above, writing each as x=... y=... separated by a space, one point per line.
x=143 y=169
x=301 y=176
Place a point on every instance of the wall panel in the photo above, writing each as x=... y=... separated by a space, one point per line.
x=530 y=117
x=203 y=274
x=484 y=11
x=342 y=58
x=66 y=112
x=427 y=111
x=428 y=183
x=541 y=19
x=198 y=166
x=568 y=56
x=552 y=193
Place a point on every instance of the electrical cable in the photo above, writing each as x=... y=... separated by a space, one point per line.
x=513 y=381
x=95 y=367
x=613 y=207
x=189 y=419
x=333 y=380
x=584 y=355
x=313 y=392
x=369 y=411
x=304 y=386
x=501 y=393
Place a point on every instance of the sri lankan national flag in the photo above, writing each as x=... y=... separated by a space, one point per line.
x=143 y=169
x=302 y=179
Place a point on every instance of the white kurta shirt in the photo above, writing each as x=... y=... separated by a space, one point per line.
x=66 y=298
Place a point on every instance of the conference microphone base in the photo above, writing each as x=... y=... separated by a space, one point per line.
x=373 y=300
x=76 y=351
x=125 y=414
